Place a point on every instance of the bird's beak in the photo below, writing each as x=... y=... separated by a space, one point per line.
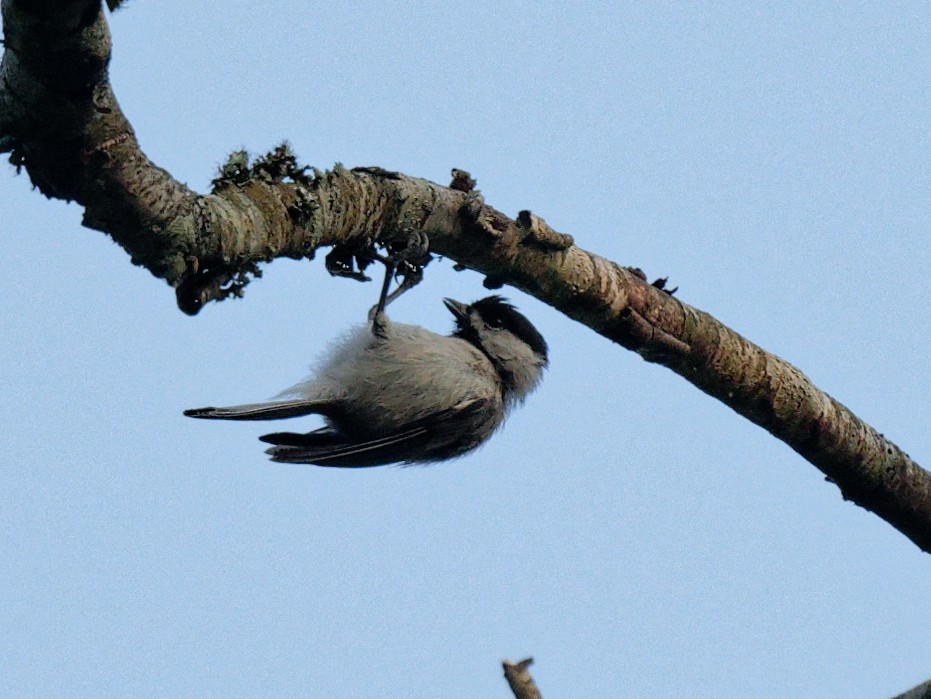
x=458 y=309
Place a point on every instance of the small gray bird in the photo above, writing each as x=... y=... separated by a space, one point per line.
x=396 y=393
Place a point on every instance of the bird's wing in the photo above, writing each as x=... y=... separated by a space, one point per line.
x=439 y=435
x=275 y=410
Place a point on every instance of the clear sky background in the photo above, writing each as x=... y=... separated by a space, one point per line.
x=633 y=535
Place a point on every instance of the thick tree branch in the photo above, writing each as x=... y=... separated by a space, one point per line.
x=60 y=121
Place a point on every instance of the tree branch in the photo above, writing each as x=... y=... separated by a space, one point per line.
x=519 y=679
x=922 y=691
x=60 y=121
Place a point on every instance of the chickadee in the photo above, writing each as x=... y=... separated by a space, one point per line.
x=396 y=393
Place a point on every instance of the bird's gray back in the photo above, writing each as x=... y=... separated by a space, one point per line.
x=385 y=382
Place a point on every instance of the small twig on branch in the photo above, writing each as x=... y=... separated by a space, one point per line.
x=519 y=679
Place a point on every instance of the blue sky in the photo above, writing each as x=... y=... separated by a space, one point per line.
x=629 y=532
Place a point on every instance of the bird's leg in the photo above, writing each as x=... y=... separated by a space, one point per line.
x=410 y=260
x=409 y=281
x=377 y=314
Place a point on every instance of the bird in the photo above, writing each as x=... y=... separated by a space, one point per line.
x=393 y=393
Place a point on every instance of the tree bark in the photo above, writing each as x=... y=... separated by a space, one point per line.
x=60 y=121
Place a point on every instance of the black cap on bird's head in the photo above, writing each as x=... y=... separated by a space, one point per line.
x=495 y=313
x=515 y=348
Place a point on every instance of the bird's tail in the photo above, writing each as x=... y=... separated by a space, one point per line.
x=275 y=410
